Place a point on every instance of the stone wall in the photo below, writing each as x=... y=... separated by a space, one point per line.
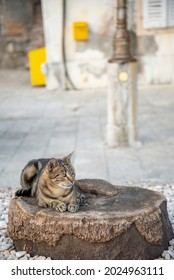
x=20 y=30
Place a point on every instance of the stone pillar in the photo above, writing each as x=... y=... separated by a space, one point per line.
x=121 y=124
x=52 y=20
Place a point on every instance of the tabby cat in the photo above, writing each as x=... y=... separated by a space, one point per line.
x=52 y=182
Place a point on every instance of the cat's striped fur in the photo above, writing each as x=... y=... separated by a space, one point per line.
x=52 y=182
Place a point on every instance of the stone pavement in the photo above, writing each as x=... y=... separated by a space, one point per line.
x=36 y=123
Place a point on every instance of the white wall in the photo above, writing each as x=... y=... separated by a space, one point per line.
x=52 y=21
x=86 y=60
x=155 y=49
x=158 y=68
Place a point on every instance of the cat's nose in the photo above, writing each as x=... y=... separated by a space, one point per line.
x=71 y=179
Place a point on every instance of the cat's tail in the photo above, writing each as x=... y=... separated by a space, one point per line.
x=28 y=176
x=22 y=192
x=97 y=187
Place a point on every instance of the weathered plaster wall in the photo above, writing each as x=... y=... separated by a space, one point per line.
x=86 y=60
x=155 y=52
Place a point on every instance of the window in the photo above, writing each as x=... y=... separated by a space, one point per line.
x=158 y=13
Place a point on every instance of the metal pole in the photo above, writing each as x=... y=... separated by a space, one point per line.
x=121 y=44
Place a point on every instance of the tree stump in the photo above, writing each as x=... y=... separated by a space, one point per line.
x=133 y=224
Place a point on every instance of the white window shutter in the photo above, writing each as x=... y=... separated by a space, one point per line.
x=155 y=13
x=170 y=17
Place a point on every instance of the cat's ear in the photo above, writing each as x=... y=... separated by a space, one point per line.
x=68 y=157
x=52 y=164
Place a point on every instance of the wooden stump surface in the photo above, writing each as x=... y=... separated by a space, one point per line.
x=133 y=224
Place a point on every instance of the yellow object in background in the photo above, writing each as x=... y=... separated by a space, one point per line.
x=80 y=31
x=36 y=58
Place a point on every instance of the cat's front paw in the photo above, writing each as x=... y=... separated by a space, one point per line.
x=73 y=208
x=82 y=199
x=59 y=206
x=42 y=204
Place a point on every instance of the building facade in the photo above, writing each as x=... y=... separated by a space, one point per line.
x=74 y=63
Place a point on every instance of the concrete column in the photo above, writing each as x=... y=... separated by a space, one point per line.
x=52 y=20
x=121 y=124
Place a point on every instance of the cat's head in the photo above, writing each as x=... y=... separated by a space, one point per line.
x=61 y=172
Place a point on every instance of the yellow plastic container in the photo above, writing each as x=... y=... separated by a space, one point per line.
x=80 y=31
x=36 y=58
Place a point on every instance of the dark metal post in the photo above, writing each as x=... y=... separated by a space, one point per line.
x=121 y=44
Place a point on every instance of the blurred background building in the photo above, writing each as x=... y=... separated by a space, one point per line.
x=81 y=62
